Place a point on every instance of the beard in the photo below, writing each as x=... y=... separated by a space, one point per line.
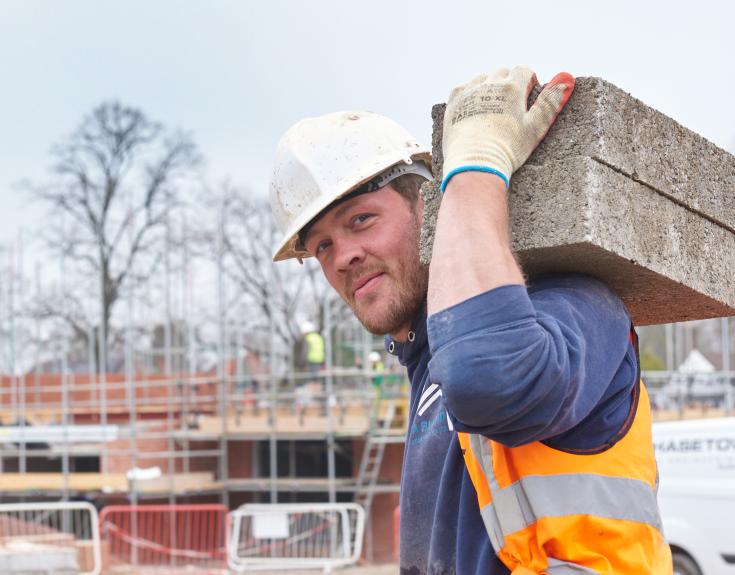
x=408 y=284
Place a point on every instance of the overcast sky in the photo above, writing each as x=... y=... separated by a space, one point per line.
x=238 y=74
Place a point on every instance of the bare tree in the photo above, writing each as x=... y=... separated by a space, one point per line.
x=114 y=180
x=280 y=295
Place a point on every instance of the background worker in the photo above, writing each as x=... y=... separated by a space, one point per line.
x=378 y=368
x=314 y=345
x=529 y=444
x=314 y=356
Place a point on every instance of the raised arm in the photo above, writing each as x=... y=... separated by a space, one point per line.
x=488 y=133
x=513 y=366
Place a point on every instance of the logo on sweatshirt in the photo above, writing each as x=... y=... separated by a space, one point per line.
x=430 y=395
x=425 y=424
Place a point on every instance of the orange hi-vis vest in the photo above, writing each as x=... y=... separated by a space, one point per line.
x=556 y=512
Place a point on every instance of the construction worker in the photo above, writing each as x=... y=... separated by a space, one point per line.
x=311 y=392
x=378 y=368
x=529 y=444
x=314 y=348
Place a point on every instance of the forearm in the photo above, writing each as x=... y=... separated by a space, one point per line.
x=472 y=252
x=488 y=132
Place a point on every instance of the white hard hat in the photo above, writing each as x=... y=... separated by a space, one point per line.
x=374 y=356
x=320 y=160
x=307 y=327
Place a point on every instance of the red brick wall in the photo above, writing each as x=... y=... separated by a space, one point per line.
x=202 y=462
x=152 y=394
x=384 y=505
x=122 y=462
x=240 y=458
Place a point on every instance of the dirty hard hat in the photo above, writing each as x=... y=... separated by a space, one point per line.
x=320 y=160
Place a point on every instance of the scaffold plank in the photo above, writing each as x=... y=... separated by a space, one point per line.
x=107 y=482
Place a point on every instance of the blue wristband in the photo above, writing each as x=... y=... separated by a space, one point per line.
x=485 y=169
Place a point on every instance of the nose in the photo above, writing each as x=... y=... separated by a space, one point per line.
x=348 y=253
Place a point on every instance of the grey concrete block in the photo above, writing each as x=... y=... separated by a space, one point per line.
x=603 y=122
x=625 y=194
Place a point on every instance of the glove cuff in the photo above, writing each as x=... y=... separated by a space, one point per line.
x=471 y=168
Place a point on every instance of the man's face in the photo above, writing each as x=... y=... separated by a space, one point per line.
x=368 y=250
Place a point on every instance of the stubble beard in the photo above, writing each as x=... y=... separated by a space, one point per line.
x=410 y=282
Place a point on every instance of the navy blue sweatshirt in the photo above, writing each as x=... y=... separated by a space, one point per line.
x=551 y=362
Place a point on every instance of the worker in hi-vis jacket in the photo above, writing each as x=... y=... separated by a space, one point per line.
x=529 y=443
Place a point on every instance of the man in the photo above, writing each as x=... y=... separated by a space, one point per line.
x=378 y=368
x=314 y=343
x=529 y=445
x=313 y=387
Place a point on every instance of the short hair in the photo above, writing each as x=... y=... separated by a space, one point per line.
x=408 y=187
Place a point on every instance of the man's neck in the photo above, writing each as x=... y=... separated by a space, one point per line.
x=401 y=335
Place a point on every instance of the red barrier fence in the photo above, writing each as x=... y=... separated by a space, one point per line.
x=397 y=533
x=164 y=535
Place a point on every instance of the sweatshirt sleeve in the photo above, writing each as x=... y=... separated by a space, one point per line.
x=521 y=365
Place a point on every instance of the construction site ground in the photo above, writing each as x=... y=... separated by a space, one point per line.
x=383 y=569
x=386 y=569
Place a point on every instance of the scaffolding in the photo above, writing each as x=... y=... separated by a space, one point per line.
x=248 y=428
x=188 y=420
x=182 y=427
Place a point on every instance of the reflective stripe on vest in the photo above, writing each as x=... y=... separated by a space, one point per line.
x=533 y=497
x=527 y=500
x=531 y=490
x=557 y=567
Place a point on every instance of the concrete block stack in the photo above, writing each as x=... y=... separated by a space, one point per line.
x=623 y=193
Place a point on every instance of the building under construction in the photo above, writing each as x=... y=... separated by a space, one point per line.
x=236 y=435
x=233 y=437
x=146 y=413
x=165 y=435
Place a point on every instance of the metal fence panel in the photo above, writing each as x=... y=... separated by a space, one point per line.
x=151 y=536
x=50 y=538
x=293 y=536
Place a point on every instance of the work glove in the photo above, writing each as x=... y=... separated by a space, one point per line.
x=488 y=126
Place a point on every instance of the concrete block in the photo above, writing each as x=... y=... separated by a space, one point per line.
x=603 y=122
x=623 y=193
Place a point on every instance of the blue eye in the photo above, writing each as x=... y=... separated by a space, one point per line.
x=362 y=218
x=321 y=246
